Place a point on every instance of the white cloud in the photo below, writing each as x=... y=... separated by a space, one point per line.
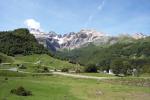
x=31 y=23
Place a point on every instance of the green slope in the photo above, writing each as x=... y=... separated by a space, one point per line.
x=45 y=60
x=136 y=53
x=30 y=61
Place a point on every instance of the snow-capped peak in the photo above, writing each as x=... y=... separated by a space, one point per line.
x=92 y=32
x=76 y=40
x=138 y=35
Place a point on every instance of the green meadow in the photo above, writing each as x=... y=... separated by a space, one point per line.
x=55 y=87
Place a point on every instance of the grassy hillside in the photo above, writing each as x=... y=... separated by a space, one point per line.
x=45 y=60
x=35 y=60
x=136 y=49
x=133 y=54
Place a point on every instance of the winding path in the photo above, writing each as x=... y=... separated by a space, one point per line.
x=67 y=74
x=62 y=73
x=82 y=76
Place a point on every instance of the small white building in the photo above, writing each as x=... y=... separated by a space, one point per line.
x=105 y=71
x=110 y=72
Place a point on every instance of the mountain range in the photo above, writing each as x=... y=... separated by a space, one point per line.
x=86 y=47
x=83 y=38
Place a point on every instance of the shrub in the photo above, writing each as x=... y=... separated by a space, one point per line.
x=90 y=68
x=55 y=70
x=65 y=70
x=42 y=69
x=78 y=71
x=146 y=68
x=6 y=78
x=21 y=91
x=45 y=69
x=22 y=67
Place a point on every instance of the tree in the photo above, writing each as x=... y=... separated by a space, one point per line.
x=20 y=41
x=64 y=70
x=121 y=66
x=90 y=68
x=146 y=68
x=117 y=66
x=126 y=68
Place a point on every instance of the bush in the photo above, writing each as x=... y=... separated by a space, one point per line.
x=78 y=71
x=45 y=69
x=146 y=68
x=6 y=78
x=22 y=67
x=42 y=69
x=21 y=91
x=55 y=70
x=65 y=70
x=90 y=68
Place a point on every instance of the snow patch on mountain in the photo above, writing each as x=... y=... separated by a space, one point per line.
x=82 y=38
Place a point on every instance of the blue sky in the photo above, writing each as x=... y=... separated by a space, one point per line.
x=63 y=16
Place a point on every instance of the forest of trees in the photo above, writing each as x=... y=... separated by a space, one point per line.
x=122 y=58
x=20 y=41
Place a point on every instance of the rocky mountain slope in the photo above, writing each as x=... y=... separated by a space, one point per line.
x=83 y=38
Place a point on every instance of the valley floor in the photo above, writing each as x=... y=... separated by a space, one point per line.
x=56 y=87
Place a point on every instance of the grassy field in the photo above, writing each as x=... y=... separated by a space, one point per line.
x=31 y=61
x=54 y=87
x=65 y=88
x=6 y=73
